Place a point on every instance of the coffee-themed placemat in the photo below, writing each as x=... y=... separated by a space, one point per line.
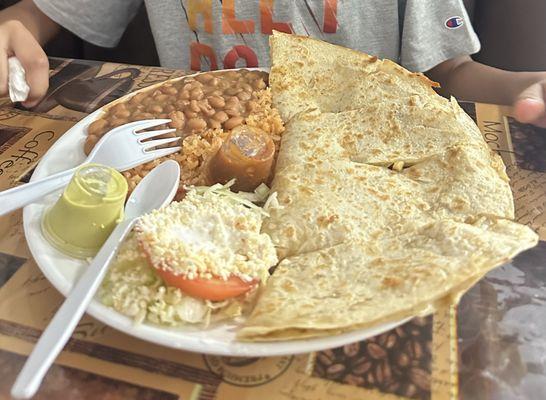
x=420 y=359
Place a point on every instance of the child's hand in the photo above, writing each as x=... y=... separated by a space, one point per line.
x=16 y=40
x=530 y=106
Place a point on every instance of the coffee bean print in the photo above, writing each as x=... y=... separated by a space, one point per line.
x=398 y=361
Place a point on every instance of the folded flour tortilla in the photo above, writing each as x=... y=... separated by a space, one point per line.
x=464 y=181
x=308 y=74
x=380 y=133
x=361 y=284
x=389 y=199
x=325 y=203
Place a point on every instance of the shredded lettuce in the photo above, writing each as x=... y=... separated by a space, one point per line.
x=245 y=198
x=272 y=202
x=192 y=310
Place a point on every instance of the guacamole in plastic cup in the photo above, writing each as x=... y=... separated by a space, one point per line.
x=88 y=210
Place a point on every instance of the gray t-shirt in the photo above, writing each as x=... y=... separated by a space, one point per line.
x=214 y=34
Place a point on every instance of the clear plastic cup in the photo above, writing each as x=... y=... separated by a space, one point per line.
x=88 y=210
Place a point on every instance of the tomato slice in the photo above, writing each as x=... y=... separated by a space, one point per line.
x=215 y=289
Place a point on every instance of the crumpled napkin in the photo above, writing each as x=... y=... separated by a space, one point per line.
x=17 y=84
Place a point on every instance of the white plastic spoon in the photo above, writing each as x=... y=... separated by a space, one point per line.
x=155 y=190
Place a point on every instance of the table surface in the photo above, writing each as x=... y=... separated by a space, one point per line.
x=492 y=346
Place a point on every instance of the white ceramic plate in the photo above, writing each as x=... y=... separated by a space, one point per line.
x=63 y=271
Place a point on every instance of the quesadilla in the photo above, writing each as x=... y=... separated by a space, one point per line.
x=310 y=74
x=389 y=199
x=380 y=134
x=324 y=203
x=361 y=284
x=464 y=181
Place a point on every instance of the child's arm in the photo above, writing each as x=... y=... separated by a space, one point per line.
x=23 y=29
x=470 y=80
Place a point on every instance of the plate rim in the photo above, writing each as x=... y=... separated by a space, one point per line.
x=146 y=331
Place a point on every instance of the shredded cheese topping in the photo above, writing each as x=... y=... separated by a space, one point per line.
x=212 y=232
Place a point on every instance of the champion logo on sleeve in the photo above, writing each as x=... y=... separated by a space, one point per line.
x=454 y=22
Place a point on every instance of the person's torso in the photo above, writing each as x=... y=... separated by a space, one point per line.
x=216 y=34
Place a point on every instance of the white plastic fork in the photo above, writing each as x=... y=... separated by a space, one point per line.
x=122 y=148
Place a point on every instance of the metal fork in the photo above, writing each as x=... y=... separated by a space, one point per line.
x=122 y=148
